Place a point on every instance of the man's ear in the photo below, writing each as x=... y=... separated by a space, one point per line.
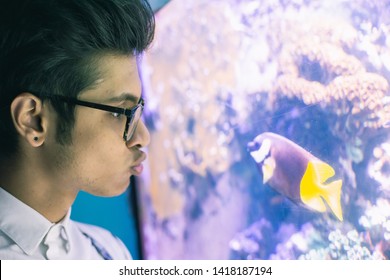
x=29 y=118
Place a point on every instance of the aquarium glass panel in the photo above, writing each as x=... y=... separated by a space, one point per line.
x=269 y=125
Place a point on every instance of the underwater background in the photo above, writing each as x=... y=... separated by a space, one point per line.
x=222 y=72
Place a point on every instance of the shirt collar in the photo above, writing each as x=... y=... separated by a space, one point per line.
x=57 y=240
x=25 y=226
x=65 y=236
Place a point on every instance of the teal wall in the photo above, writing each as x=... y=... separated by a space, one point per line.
x=114 y=214
x=157 y=4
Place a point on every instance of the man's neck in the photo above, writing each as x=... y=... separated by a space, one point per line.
x=35 y=189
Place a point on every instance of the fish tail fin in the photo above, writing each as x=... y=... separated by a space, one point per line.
x=332 y=196
x=314 y=191
x=310 y=191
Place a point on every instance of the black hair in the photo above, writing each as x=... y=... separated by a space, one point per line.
x=52 y=46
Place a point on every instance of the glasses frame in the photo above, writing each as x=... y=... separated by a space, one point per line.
x=128 y=112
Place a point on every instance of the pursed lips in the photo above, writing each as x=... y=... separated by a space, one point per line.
x=138 y=167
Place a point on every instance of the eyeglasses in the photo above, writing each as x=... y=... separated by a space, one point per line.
x=133 y=115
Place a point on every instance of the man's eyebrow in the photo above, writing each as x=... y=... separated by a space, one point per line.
x=125 y=96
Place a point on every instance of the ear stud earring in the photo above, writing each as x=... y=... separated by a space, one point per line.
x=36 y=138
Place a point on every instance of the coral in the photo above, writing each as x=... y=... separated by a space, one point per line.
x=194 y=103
x=253 y=242
x=372 y=243
x=296 y=243
x=349 y=246
x=325 y=69
x=312 y=243
x=376 y=221
x=338 y=82
x=379 y=167
x=330 y=59
x=362 y=96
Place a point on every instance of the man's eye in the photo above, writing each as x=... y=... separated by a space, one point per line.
x=116 y=115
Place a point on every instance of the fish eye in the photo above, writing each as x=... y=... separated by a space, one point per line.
x=253 y=146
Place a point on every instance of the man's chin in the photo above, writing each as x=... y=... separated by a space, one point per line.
x=111 y=190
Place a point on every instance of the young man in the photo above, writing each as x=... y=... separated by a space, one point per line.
x=70 y=108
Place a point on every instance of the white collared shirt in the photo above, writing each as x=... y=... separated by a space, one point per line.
x=26 y=234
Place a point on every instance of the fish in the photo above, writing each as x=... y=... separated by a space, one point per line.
x=296 y=173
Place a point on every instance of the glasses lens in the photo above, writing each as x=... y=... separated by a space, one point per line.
x=133 y=122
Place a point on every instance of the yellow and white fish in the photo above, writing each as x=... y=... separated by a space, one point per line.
x=296 y=173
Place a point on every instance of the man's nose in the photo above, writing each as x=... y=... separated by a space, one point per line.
x=141 y=136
